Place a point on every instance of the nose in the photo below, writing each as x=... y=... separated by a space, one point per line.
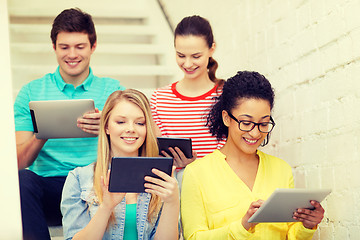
x=187 y=63
x=255 y=132
x=130 y=127
x=72 y=52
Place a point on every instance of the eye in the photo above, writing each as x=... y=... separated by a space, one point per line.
x=180 y=56
x=120 y=122
x=196 y=57
x=140 y=123
x=265 y=124
x=246 y=123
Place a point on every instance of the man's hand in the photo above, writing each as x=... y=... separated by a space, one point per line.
x=90 y=122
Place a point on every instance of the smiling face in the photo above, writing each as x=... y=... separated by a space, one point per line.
x=192 y=55
x=73 y=52
x=127 y=129
x=255 y=110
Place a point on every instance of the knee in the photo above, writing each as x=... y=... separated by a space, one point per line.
x=28 y=182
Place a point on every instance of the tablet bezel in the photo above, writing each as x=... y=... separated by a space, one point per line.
x=127 y=173
x=283 y=202
x=184 y=144
x=58 y=118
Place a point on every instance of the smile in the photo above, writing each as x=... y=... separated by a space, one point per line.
x=129 y=139
x=72 y=63
x=249 y=141
x=190 y=70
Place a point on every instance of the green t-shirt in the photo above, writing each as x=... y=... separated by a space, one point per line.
x=130 y=231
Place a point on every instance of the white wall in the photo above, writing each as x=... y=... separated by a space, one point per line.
x=310 y=51
x=10 y=217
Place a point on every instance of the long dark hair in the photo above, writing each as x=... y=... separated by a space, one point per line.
x=244 y=85
x=199 y=26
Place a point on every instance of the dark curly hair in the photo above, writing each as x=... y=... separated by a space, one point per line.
x=200 y=27
x=244 y=84
x=73 y=20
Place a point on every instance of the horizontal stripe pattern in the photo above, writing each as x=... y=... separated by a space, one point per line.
x=185 y=117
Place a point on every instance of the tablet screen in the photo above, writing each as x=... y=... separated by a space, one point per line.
x=127 y=173
x=183 y=143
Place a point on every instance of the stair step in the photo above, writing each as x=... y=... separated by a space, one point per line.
x=38 y=48
x=137 y=30
x=153 y=70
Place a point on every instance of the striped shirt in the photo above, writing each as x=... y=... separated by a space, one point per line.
x=58 y=156
x=185 y=117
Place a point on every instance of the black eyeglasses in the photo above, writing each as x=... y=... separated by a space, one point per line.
x=247 y=126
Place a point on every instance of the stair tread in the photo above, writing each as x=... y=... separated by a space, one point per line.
x=144 y=70
x=101 y=48
x=100 y=29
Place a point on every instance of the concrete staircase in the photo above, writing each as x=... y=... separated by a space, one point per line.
x=135 y=43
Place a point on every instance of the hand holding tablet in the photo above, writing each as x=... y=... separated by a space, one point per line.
x=58 y=118
x=127 y=173
x=282 y=204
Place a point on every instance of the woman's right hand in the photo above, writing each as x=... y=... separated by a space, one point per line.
x=254 y=206
x=110 y=199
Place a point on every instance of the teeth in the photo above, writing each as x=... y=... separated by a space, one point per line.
x=250 y=141
x=129 y=138
x=72 y=63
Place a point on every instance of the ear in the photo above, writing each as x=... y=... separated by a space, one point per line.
x=93 y=47
x=54 y=47
x=212 y=49
x=107 y=130
x=226 y=118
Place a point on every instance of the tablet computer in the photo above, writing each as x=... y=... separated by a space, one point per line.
x=183 y=143
x=283 y=202
x=127 y=173
x=58 y=118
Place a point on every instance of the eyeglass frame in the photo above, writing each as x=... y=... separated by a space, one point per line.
x=255 y=124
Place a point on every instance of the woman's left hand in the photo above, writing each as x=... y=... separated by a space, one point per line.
x=310 y=218
x=166 y=188
x=180 y=160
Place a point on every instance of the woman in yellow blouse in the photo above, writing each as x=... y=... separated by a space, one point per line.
x=225 y=188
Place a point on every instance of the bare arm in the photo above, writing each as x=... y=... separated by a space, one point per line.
x=27 y=148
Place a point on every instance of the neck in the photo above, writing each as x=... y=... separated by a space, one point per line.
x=74 y=80
x=234 y=154
x=194 y=87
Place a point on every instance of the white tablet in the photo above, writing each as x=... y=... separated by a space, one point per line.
x=58 y=118
x=283 y=202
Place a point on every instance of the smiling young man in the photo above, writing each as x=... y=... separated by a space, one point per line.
x=45 y=163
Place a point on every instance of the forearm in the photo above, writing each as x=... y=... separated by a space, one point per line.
x=28 y=151
x=168 y=227
x=97 y=225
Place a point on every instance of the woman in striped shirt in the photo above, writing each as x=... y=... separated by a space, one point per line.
x=181 y=108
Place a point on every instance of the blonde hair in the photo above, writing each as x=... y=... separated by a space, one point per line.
x=148 y=149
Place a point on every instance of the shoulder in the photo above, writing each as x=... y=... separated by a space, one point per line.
x=82 y=175
x=273 y=161
x=206 y=163
x=109 y=82
x=163 y=90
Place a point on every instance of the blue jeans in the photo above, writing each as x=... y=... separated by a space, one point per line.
x=40 y=204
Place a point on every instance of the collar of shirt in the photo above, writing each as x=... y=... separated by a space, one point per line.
x=85 y=85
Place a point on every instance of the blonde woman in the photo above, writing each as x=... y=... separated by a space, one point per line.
x=90 y=211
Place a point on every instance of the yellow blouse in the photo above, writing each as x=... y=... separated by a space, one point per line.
x=214 y=200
